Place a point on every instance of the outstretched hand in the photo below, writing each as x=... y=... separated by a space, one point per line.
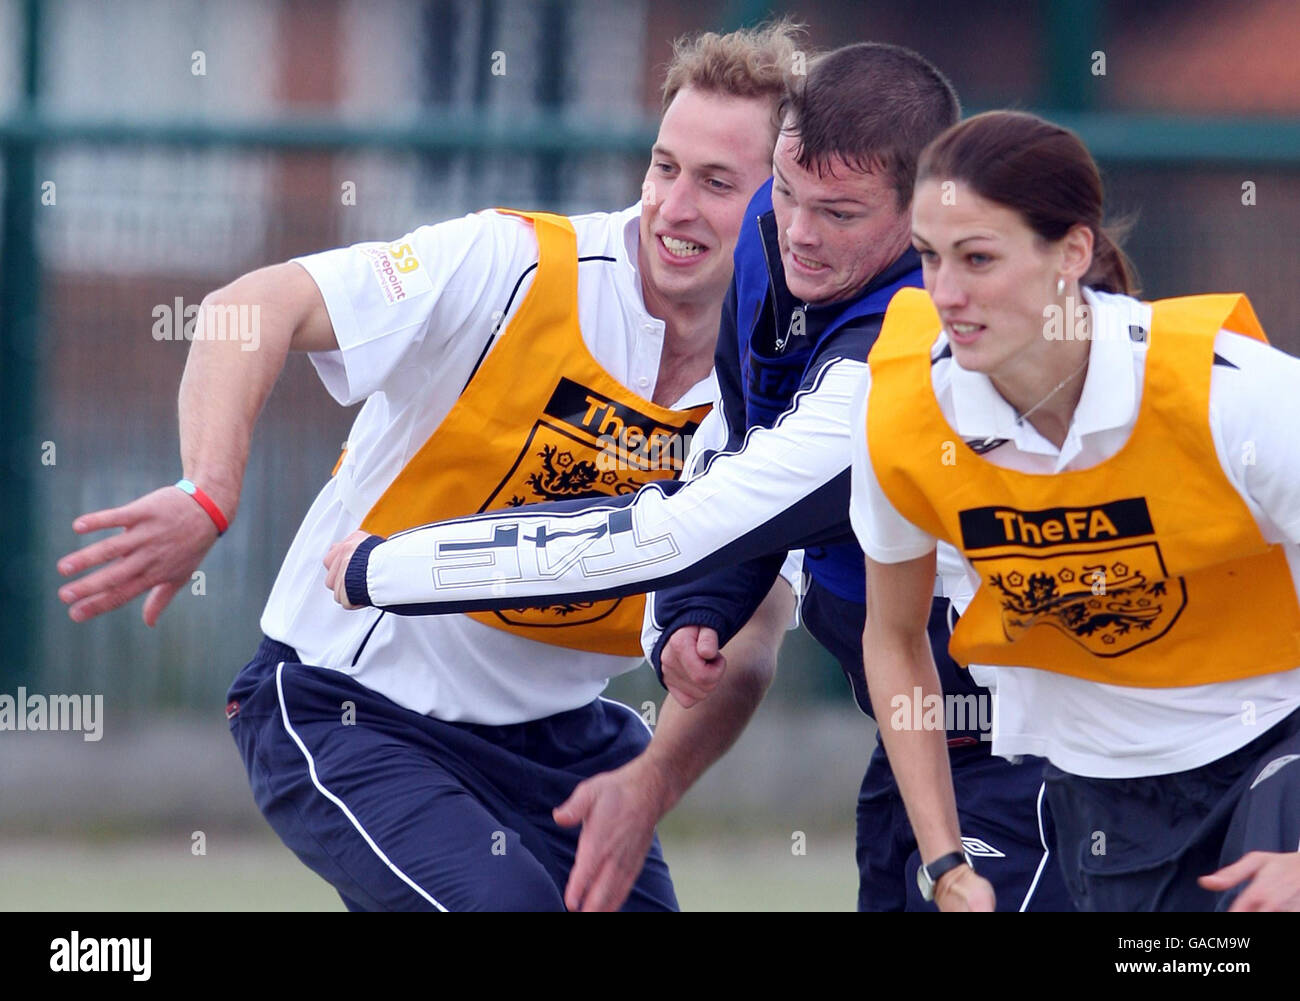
x=165 y=539
x=1272 y=881
x=618 y=811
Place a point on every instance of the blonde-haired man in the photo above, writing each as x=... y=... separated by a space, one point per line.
x=415 y=763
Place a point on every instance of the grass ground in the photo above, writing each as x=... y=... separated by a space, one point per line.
x=251 y=873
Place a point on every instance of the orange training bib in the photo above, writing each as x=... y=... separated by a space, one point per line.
x=542 y=420
x=1147 y=569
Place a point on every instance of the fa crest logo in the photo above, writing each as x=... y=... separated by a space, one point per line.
x=1078 y=570
x=1109 y=601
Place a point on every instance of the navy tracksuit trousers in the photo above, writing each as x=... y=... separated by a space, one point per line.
x=399 y=811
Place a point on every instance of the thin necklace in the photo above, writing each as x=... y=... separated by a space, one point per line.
x=1021 y=418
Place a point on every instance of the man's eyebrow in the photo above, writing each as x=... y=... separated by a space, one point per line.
x=846 y=200
x=708 y=168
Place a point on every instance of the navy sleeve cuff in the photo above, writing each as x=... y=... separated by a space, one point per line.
x=354 y=578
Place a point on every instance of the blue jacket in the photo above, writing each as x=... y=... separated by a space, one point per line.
x=768 y=359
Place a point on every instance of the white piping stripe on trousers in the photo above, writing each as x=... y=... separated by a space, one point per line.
x=639 y=718
x=1042 y=838
x=311 y=769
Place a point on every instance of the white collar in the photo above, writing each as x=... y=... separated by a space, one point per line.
x=628 y=223
x=704 y=391
x=1109 y=392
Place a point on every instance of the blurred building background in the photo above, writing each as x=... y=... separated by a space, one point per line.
x=156 y=149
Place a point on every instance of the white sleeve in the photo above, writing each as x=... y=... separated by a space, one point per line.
x=416 y=303
x=710 y=436
x=792 y=572
x=1254 y=416
x=744 y=504
x=884 y=534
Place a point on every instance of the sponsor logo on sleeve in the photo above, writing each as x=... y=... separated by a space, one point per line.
x=398 y=270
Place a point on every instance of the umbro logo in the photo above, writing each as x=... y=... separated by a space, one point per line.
x=976 y=848
x=1273 y=767
x=981 y=445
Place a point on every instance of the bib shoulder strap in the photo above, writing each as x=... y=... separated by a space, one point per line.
x=543 y=219
x=909 y=329
x=553 y=296
x=1207 y=314
x=1180 y=354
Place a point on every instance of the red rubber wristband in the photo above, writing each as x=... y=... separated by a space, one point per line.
x=207 y=503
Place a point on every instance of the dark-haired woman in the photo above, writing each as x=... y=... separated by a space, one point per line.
x=1122 y=480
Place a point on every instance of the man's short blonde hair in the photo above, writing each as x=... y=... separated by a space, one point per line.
x=748 y=62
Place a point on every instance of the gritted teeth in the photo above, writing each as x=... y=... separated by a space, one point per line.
x=806 y=262
x=965 y=328
x=680 y=248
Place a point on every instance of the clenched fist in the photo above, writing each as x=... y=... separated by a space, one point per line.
x=336 y=566
x=692 y=664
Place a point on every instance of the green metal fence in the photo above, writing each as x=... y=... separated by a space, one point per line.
x=1217 y=201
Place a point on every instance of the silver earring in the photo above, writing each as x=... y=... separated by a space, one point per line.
x=1060 y=286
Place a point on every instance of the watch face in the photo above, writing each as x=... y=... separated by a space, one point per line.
x=925 y=884
x=925 y=880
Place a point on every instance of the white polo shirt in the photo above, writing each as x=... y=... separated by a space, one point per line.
x=1083 y=727
x=408 y=343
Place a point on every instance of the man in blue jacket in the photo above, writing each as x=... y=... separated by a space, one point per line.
x=824 y=247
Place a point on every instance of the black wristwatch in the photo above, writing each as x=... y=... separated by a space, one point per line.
x=928 y=875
